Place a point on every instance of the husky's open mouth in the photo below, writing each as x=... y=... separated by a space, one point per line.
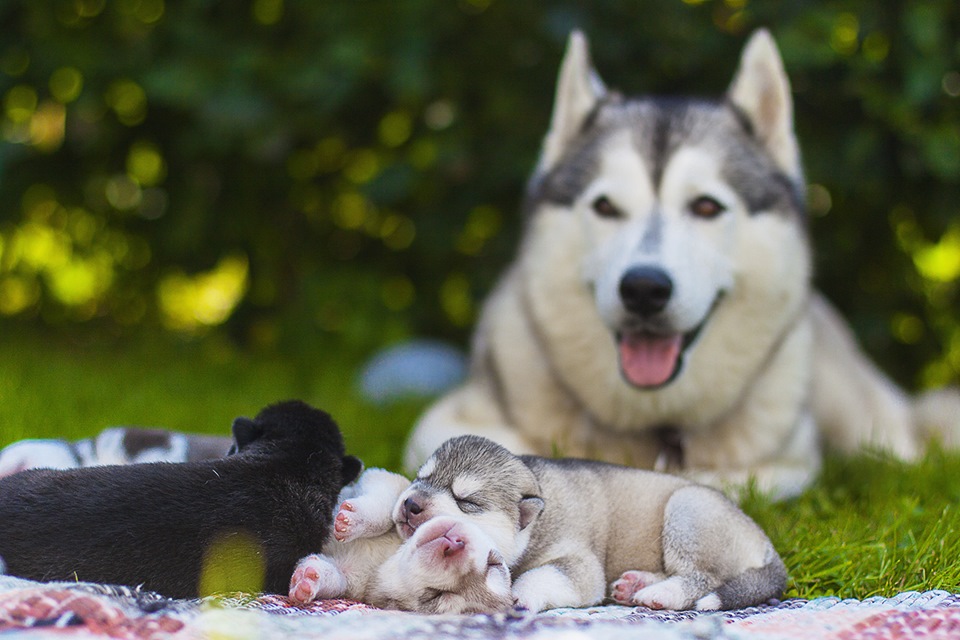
x=651 y=360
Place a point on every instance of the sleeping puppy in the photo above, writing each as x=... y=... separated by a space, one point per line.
x=153 y=524
x=568 y=528
x=448 y=566
x=114 y=445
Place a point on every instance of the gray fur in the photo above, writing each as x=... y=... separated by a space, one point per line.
x=660 y=126
x=653 y=234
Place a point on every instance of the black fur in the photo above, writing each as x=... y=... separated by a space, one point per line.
x=150 y=524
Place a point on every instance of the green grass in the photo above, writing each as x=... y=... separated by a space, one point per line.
x=869 y=526
x=58 y=388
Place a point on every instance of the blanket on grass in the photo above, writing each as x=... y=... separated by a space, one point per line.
x=78 y=610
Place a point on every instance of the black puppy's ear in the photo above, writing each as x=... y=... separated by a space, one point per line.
x=530 y=508
x=245 y=431
x=351 y=469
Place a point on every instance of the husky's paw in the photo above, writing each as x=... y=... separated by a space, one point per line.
x=630 y=582
x=709 y=602
x=529 y=602
x=353 y=522
x=667 y=594
x=316 y=577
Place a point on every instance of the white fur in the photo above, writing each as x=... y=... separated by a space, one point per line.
x=695 y=253
x=709 y=602
x=361 y=541
x=426 y=468
x=545 y=588
x=30 y=454
x=465 y=486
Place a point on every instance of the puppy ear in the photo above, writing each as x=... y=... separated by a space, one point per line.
x=530 y=508
x=245 y=431
x=351 y=469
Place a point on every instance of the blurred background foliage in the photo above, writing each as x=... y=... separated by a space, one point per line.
x=295 y=174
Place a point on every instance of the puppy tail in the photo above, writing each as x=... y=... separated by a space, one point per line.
x=754 y=586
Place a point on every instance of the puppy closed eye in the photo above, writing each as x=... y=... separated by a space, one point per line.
x=467 y=505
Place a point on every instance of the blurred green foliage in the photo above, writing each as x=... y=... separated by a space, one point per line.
x=292 y=171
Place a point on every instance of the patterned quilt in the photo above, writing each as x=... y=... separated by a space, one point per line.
x=78 y=610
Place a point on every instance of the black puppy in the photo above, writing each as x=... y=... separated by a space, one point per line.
x=154 y=524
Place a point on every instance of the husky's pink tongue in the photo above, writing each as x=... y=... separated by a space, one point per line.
x=649 y=361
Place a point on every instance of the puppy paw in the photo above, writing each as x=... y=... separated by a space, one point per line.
x=709 y=602
x=623 y=589
x=359 y=518
x=530 y=596
x=350 y=523
x=316 y=577
x=667 y=594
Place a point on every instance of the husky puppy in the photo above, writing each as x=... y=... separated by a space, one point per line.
x=151 y=524
x=659 y=312
x=567 y=528
x=114 y=445
x=448 y=566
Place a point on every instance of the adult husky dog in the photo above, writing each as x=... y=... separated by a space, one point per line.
x=660 y=311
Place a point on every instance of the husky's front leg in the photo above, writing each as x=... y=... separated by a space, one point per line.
x=782 y=475
x=571 y=581
x=316 y=576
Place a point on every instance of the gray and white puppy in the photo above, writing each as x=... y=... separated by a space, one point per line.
x=567 y=528
x=449 y=566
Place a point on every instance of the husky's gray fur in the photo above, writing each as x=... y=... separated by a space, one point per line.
x=569 y=528
x=660 y=313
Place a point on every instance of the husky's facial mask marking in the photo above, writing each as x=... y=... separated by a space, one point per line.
x=655 y=258
x=659 y=185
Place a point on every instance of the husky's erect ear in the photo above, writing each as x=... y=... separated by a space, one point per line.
x=578 y=90
x=761 y=90
x=530 y=508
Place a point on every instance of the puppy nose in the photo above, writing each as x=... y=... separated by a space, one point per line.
x=452 y=546
x=645 y=290
x=410 y=506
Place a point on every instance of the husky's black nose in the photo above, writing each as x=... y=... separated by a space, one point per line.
x=645 y=290
x=411 y=507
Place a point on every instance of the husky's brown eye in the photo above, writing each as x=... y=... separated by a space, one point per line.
x=706 y=207
x=605 y=209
